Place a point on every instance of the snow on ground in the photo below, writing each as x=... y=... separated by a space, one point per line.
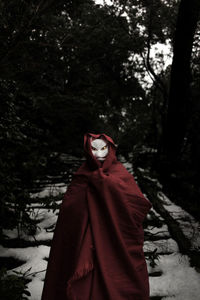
x=189 y=226
x=50 y=190
x=161 y=232
x=162 y=246
x=47 y=219
x=34 y=266
x=175 y=279
x=178 y=281
x=155 y=214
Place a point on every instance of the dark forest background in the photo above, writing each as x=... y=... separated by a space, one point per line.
x=71 y=67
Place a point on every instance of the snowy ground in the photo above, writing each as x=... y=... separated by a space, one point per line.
x=171 y=278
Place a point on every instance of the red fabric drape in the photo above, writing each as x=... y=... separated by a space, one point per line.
x=97 y=248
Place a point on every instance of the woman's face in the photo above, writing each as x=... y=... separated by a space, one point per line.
x=99 y=149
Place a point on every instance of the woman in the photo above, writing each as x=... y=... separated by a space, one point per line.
x=97 y=248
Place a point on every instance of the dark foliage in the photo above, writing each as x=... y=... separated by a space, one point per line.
x=13 y=287
x=72 y=67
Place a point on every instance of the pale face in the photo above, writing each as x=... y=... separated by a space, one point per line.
x=99 y=149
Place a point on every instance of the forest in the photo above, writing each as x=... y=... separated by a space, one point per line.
x=71 y=67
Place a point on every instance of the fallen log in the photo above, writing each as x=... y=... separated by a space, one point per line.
x=151 y=189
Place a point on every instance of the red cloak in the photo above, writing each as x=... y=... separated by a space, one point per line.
x=97 y=247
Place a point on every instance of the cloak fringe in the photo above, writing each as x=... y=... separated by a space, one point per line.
x=76 y=276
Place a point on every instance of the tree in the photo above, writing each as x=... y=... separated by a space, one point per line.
x=179 y=104
x=63 y=72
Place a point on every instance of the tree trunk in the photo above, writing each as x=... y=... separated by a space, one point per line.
x=179 y=94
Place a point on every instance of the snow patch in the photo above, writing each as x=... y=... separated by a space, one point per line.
x=178 y=280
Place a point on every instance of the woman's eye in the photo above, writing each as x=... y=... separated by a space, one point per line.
x=94 y=148
x=104 y=148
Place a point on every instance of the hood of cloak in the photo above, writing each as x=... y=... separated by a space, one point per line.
x=92 y=162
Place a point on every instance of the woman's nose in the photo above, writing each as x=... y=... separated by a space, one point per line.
x=99 y=153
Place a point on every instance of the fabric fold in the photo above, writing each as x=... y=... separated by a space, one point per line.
x=85 y=265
